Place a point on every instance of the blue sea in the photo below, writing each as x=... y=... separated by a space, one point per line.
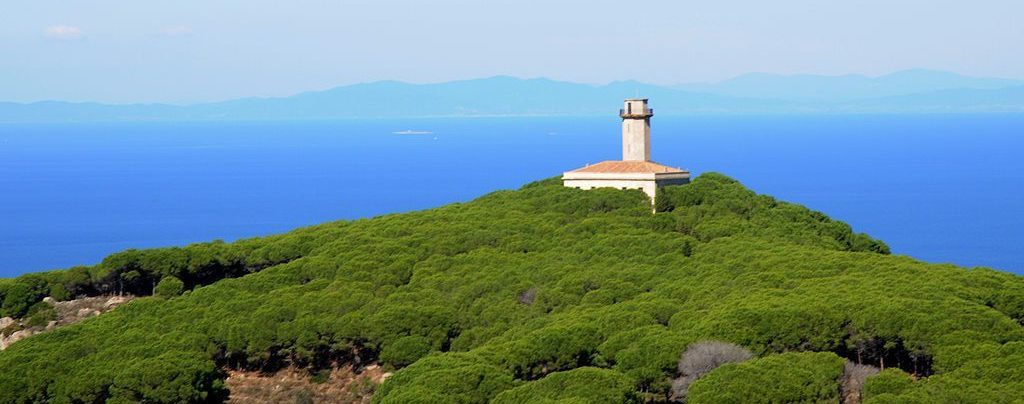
x=941 y=188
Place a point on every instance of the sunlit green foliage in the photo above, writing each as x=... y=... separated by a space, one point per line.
x=138 y=272
x=583 y=385
x=169 y=286
x=548 y=292
x=887 y=384
x=454 y=377
x=794 y=377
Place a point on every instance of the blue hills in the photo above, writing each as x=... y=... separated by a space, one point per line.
x=847 y=88
x=912 y=91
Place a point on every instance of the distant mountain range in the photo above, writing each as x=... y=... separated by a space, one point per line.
x=912 y=91
x=847 y=88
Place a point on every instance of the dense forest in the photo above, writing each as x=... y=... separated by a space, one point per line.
x=542 y=294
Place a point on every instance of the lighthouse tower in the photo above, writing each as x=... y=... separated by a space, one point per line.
x=636 y=130
x=635 y=170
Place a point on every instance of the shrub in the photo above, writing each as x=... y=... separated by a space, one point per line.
x=796 y=377
x=889 y=381
x=404 y=351
x=18 y=297
x=40 y=315
x=320 y=376
x=663 y=202
x=450 y=377
x=169 y=287
x=586 y=384
x=703 y=357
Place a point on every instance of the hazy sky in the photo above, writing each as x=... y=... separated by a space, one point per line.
x=197 y=50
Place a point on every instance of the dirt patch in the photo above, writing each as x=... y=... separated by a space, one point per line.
x=292 y=385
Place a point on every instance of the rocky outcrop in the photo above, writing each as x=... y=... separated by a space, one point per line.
x=10 y=337
x=68 y=312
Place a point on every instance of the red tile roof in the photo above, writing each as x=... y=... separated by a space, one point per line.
x=618 y=166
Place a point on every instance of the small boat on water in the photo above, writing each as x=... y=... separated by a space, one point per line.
x=413 y=132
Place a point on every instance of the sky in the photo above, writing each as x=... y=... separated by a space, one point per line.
x=183 y=51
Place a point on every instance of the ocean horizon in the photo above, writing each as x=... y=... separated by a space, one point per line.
x=940 y=188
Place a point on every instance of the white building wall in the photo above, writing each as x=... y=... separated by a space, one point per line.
x=650 y=187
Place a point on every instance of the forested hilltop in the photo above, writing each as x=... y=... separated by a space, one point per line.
x=543 y=294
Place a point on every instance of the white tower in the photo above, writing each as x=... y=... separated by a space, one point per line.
x=635 y=170
x=636 y=130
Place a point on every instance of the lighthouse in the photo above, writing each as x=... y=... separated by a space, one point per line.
x=635 y=170
x=636 y=130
